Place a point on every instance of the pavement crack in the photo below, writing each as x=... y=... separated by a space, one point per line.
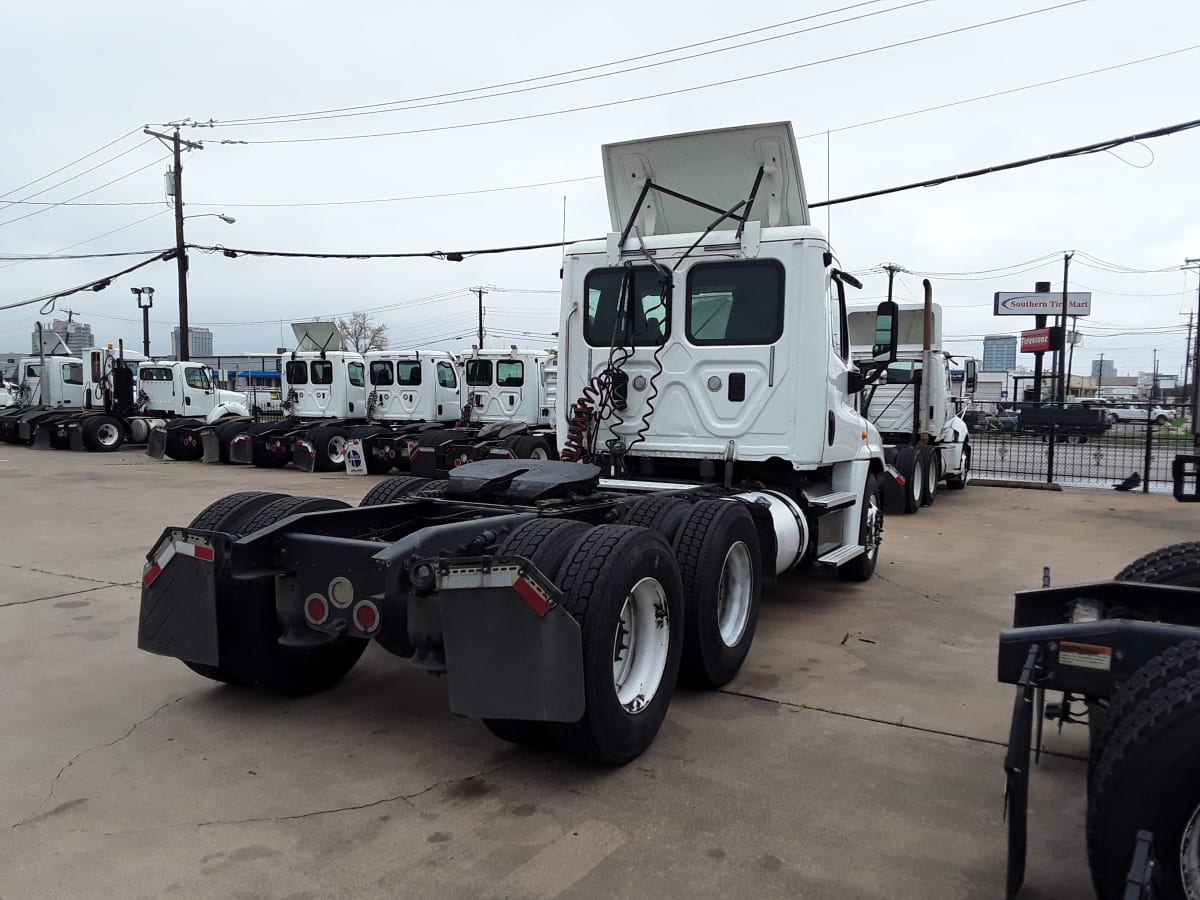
x=37 y=813
x=66 y=575
x=903 y=587
x=99 y=587
x=894 y=724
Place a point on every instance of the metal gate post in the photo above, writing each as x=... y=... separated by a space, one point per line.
x=1052 y=437
x=1149 y=450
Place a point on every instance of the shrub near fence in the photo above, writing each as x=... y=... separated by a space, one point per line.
x=1048 y=443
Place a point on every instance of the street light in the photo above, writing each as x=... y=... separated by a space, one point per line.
x=228 y=220
x=145 y=300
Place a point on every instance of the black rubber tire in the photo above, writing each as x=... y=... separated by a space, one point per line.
x=392 y=489
x=57 y=441
x=260 y=456
x=958 y=482
x=183 y=441
x=1146 y=778
x=597 y=577
x=531 y=446
x=545 y=543
x=227 y=515
x=91 y=434
x=433 y=488
x=931 y=462
x=661 y=514
x=862 y=567
x=1161 y=420
x=248 y=628
x=908 y=461
x=702 y=549
x=321 y=437
x=226 y=432
x=1178 y=564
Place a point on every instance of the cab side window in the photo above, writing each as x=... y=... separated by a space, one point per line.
x=322 y=371
x=381 y=373
x=446 y=375
x=197 y=378
x=356 y=374
x=510 y=373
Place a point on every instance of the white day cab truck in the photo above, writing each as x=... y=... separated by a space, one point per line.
x=914 y=404
x=1124 y=658
x=391 y=401
x=127 y=397
x=713 y=444
x=36 y=397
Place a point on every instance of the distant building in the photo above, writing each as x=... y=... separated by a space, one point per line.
x=200 y=342
x=76 y=335
x=999 y=353
x=1105 y=367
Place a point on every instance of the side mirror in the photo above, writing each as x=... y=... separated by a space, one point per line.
x=856 y=382
x=887 y=327
x=970 y=378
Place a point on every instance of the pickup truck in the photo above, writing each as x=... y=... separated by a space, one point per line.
x=1070 y=421
x=1122 y=412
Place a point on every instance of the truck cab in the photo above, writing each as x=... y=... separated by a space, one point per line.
x=324 y=384
x=413 y=386
x=171 y=389
x=509 y=385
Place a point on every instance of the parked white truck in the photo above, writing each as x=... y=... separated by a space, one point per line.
x=36 y=398
x=914 y=404
x=714 y=443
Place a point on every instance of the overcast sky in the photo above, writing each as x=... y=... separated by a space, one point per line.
x=80 y=75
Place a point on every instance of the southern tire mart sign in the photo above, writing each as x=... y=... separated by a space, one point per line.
x=1008 y=303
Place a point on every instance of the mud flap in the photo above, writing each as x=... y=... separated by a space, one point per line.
x=75 y=436
x=156 y=443
x=304 y=455
x=1016 y=774
x=241 y=449
x=511 y=651
x=41 y=437
x=211 y=444
x=178 y=615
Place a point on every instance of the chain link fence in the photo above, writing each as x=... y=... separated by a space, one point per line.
x=1129 y=446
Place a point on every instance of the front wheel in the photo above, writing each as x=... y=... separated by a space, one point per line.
x=959 y=481
x=870 y=536
x=103 y=434
x=622 y=586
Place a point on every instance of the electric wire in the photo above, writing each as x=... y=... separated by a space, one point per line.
x=27 y=199
x=669 y=93
x=38 y=212
x=70 y=164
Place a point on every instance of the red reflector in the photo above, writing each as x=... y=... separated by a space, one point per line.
x=535 y=600
x=366 y=616
x=316 y=610
x=153 y=572
x=205 y=553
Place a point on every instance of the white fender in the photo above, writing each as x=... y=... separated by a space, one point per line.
x=224 y=410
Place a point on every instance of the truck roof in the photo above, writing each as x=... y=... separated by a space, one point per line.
x=725 y=236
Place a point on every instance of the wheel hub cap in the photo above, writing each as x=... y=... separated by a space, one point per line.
x=640 y=645
x=733 y=594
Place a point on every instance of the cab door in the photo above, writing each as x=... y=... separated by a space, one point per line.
x=446 y=394
x=197 y=390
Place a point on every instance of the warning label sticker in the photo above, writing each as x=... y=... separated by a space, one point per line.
x=1085 y=656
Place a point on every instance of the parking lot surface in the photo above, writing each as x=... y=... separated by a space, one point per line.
x=858 y=754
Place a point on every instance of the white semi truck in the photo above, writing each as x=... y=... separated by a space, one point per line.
x=914 y=405
x=714 y=443
x=46 y=386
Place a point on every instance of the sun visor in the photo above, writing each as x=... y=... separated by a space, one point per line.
x=318 y=336
x=715 y=167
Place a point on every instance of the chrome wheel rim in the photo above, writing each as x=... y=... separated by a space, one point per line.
x=733 y=594
x=641 y=645
x=874 y=526
x=539 y=453
x=1189 y=857
x=336 y=448
x=916 y=488
x=107 y=434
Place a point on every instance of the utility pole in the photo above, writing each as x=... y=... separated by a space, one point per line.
x=1194 y=266
x=1062 y=355
x=1187 y=355
x=1100 y=376
x=479 y=291
x=1154 y=380
x=181 y=262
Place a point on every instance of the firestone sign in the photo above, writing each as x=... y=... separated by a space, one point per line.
x=1079 y=303
x=1037 y=340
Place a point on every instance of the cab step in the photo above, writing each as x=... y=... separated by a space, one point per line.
x=841 y=555
x=832 y=501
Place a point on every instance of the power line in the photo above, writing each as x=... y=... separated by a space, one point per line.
x=258 y=120
x=99 y=165
x=97 y=284
x=451 y=100
x=38 y=212
x=68 y=165
x=60 y=254
x=671 y=93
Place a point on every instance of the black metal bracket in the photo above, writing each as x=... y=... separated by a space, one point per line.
x=1016 y=773
x=1142 y=881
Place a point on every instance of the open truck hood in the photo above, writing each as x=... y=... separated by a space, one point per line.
x=715 y=167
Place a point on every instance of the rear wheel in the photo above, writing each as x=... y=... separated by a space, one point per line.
x=931 y=466
x=375 y=463
x=329 y=443
x=392 y=489
x=103 y=434
x=529 y=446
x=622 y=586
x=227 y=515
x=248 y=626
x=226 y=432
x=663 y=515
x=545 y=543
x=720 y=568
x=1146 y=778
x=908 y=461
x=267 y=451
x=870 y=535
x=183 y=441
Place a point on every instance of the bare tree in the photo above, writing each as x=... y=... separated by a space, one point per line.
x=362 y=334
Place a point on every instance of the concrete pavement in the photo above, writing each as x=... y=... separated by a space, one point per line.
x=858 y=754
